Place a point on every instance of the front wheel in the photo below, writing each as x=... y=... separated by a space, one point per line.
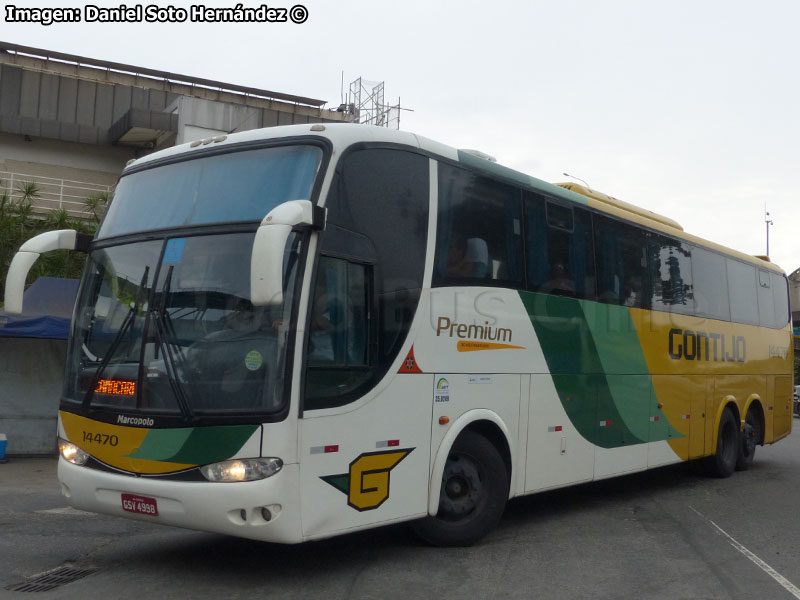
x=473 y=494
x=723 y=462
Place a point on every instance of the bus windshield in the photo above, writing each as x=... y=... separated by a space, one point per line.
x=234 y=186
x=167 y=326
x=164 y=322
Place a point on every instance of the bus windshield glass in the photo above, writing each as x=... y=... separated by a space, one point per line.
x=167 y=326
x=234 y=186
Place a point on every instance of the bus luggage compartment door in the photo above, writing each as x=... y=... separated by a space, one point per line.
x=557 y=453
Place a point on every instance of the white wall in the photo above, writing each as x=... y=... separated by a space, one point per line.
x=31 y=371
x=67 y=160
x=199 y=118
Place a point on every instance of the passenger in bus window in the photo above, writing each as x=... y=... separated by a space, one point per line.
x=560 y=282
x=246 y=318
x=633 y=291
x=468 y=258
x=320 y=346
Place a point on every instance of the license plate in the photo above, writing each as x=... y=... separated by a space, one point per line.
x=139 y=504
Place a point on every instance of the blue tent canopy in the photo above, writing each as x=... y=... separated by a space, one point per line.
x=46 y=310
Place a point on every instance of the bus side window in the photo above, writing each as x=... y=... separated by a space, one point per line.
x=479 y=237
x=710 y=284
x=670 y=270
x=766 y=303
x=780 y=293
x=338 y=350
x=559 y=248
x=621 y=263
x=742 y=292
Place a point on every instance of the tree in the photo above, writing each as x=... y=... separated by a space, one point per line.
x=96 y=205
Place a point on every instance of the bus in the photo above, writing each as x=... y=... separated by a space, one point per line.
x=298 y=332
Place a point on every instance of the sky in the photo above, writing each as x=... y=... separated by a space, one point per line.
x=686 y=108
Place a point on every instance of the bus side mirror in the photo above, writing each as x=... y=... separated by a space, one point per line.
x=266 y=264
x=63 y=239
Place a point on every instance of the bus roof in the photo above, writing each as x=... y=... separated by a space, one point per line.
x=342 y=135
x=606 y=199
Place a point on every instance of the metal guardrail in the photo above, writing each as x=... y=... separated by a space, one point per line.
x=53 y=193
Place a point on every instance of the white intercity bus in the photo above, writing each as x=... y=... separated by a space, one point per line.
x=298 y=332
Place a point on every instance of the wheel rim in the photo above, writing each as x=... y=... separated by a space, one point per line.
x=462 y=488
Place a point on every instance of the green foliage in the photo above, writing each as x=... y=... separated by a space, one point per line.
x=28 y=191
x=19 y=222
x=96 y=205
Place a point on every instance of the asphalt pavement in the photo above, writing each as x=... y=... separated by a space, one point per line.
x=669 y=533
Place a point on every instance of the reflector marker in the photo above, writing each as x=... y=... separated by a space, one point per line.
x=324 y=449
x=654 y=419
x=387 y=444
x=605 y=423
x=410 y=364
x=553 y=428
x=684 y=417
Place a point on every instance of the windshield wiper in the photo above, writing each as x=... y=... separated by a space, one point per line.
x=164 y=330
x=127 y=323
x=166 y=319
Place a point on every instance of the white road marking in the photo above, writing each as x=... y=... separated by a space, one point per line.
x=68 y=510
x=785 y=583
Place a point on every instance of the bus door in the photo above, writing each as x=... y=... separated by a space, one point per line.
x=364 y=435
x=365 y=427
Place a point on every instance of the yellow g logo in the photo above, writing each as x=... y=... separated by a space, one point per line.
x=367 y=483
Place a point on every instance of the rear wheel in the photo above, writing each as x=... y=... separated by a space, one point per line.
x=723 y=462
x=473 y=495
x=750 y=437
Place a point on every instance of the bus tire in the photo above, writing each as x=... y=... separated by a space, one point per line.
x=750 y=437
x=723 y=462
x=473 y=494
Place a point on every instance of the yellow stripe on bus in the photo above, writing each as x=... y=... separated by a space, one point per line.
x=465 y=346
x=112 y=444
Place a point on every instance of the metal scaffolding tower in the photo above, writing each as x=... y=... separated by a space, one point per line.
x=365 y=101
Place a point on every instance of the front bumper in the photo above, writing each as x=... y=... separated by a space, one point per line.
x=227 y=508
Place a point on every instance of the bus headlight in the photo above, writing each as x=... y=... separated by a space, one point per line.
x=243 y=469
x=72 y=453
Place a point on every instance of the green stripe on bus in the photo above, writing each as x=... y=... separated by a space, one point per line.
x=162 y=444
x=620 y=353
x=197 y=446
x=598 y=368
x=573 y=361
